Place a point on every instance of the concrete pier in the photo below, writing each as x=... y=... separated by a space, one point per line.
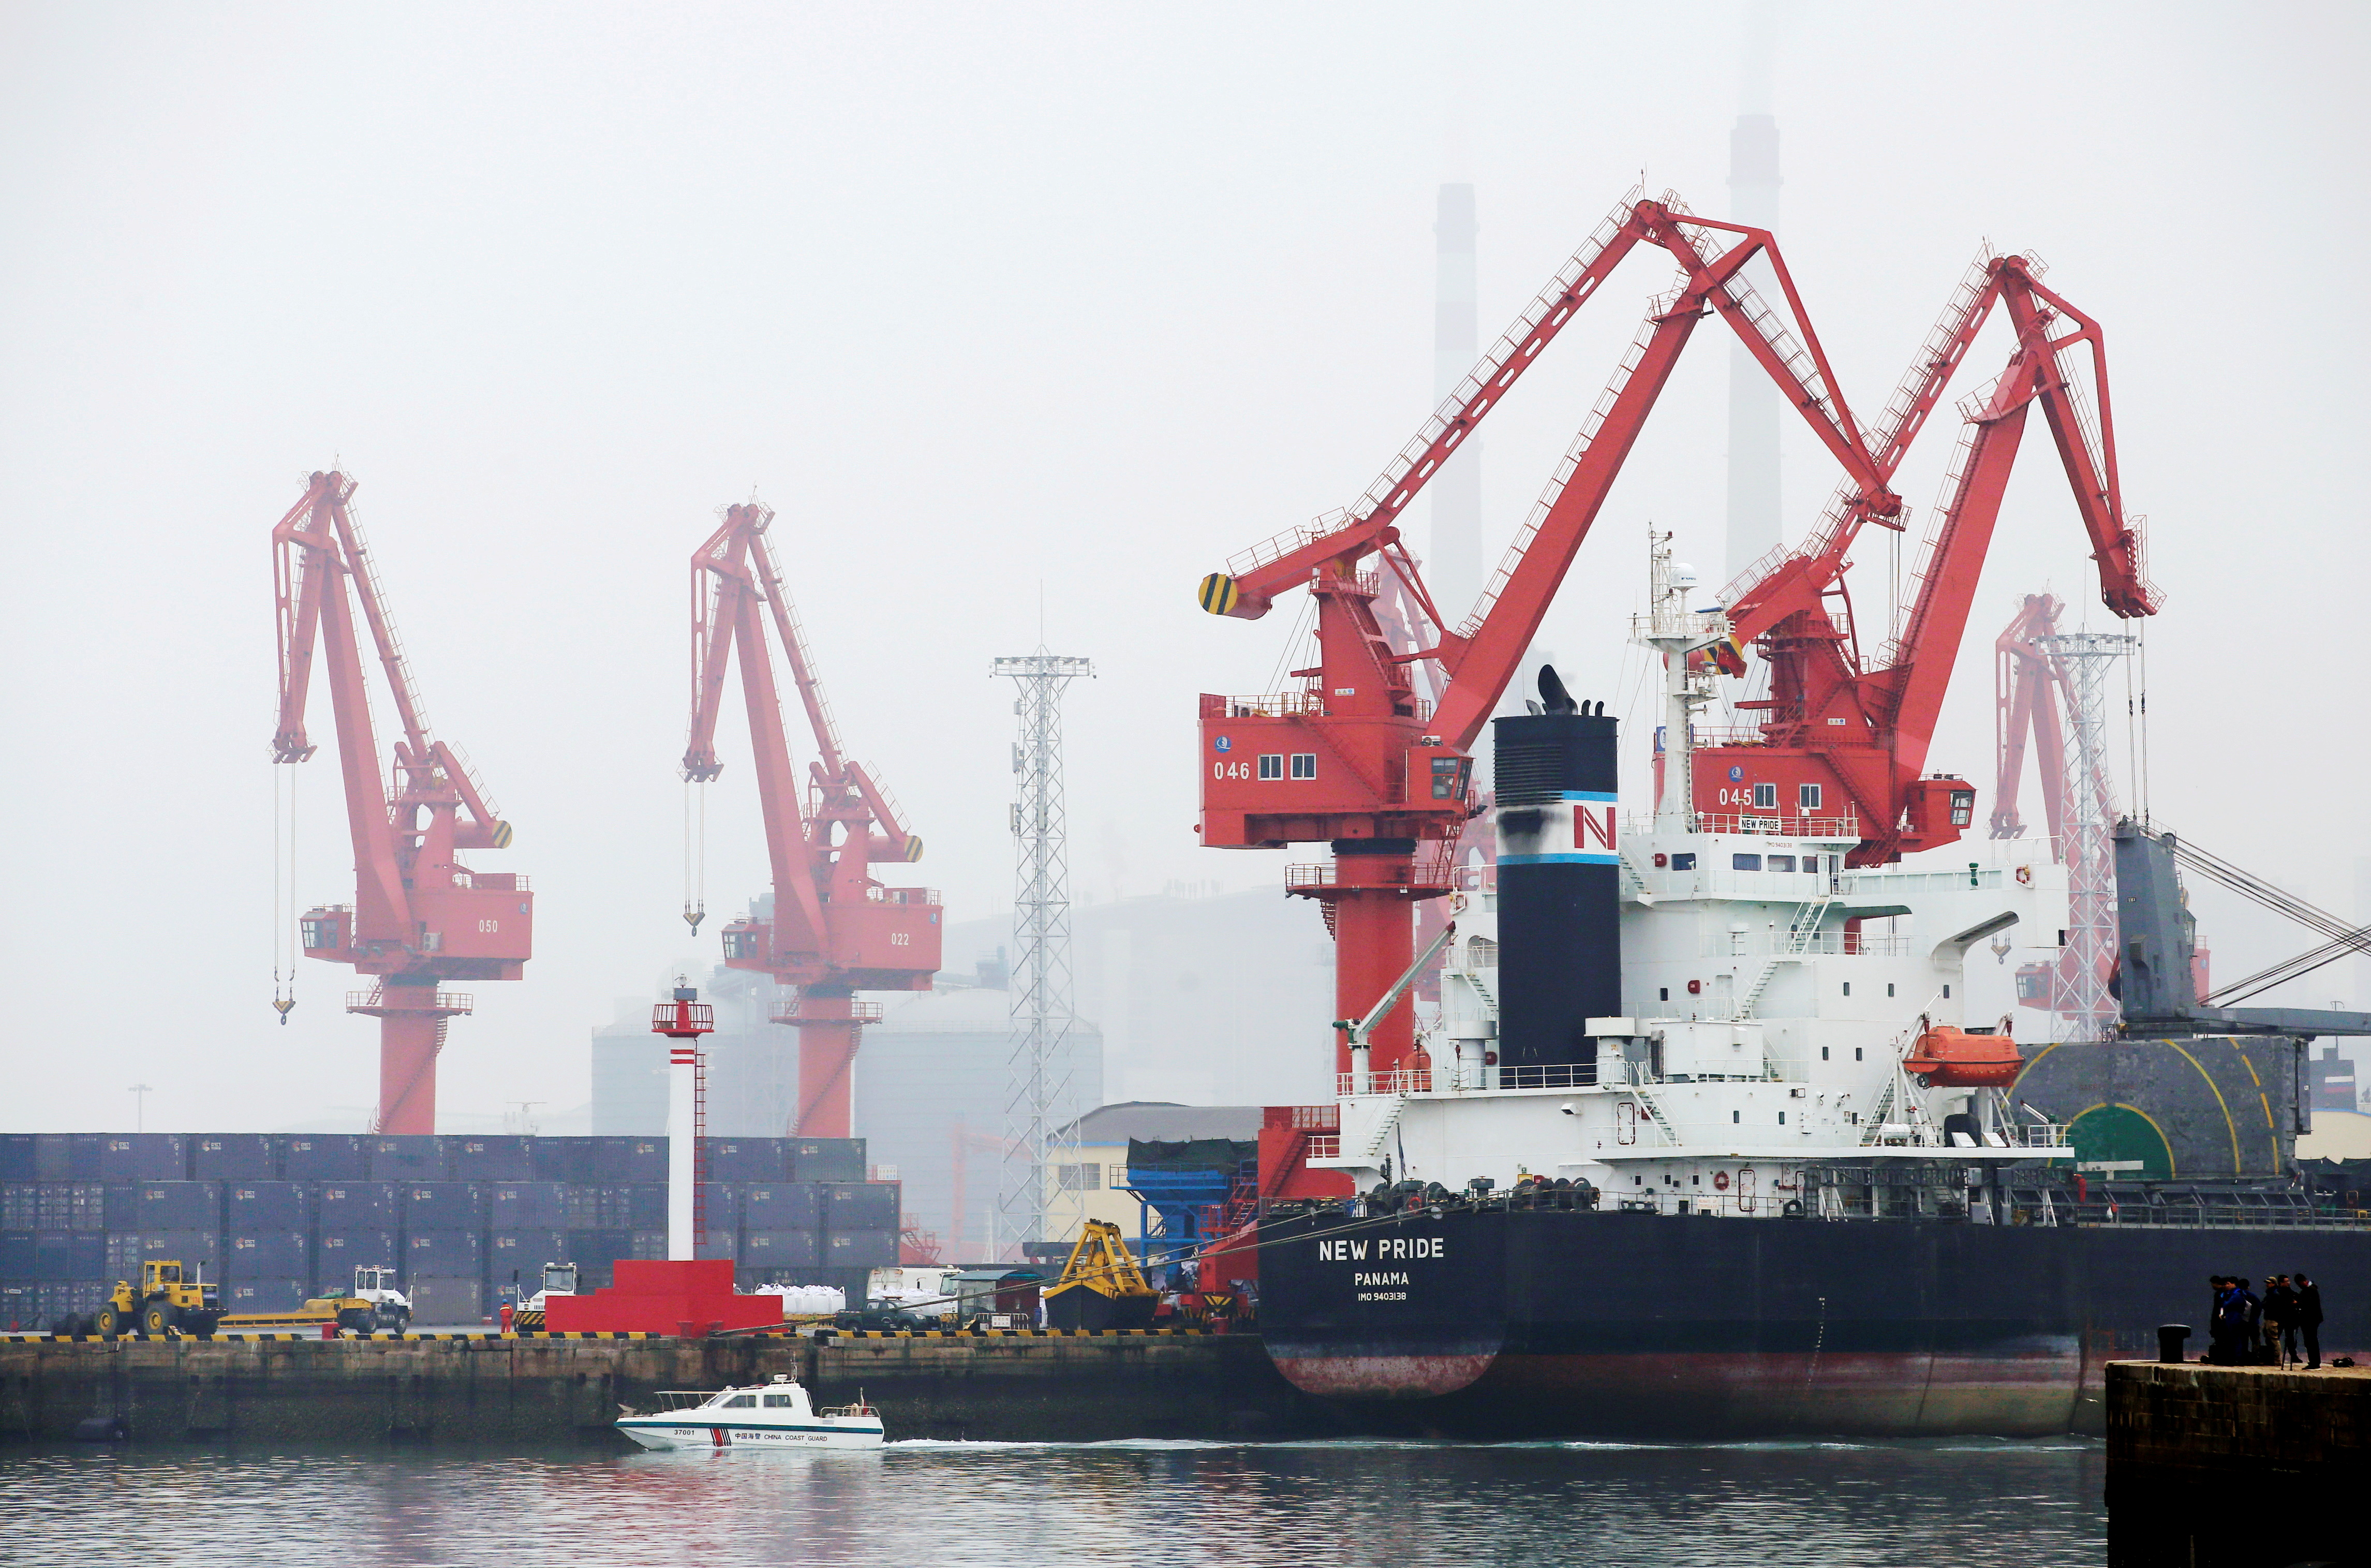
x=2236 y=1467
x=535 y=1391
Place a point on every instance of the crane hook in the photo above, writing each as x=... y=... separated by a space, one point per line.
x=692 y=917
x=283 y=1005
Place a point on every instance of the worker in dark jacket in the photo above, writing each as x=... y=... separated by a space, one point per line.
x=2247 y=1315
x=2219 y=1321
x=2308 y=1317
x=2280 y=1319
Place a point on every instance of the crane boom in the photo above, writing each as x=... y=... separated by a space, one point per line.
x=834 y=929
x=420 y=916
x=1356 y=759
x=1864 y=731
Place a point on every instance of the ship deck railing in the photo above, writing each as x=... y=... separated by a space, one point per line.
x=2027 y=1208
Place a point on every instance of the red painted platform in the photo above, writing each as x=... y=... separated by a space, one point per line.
x=664 y=1296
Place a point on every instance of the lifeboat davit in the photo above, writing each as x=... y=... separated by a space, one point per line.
x=1955 y=1059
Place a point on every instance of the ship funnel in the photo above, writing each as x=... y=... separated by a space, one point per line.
x=1559 y=865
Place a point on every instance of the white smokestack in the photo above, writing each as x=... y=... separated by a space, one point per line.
x=1454 y=570
x=1755 y=405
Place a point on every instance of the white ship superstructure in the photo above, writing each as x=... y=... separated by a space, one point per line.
x=1778 y=1011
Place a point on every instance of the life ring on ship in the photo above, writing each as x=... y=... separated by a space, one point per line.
x=1720 y=1181
x=2025 y=876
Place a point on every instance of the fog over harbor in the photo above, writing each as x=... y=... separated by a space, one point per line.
x=1023 y=319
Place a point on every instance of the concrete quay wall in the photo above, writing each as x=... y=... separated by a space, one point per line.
x=2236 y=1467
x=530 y=1391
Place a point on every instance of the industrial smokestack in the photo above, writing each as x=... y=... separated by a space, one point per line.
x=1559 y=911
x=1455 y=569
x=1755 y=406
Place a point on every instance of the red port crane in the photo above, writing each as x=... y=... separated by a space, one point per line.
x=2026 y=686
x=1355 y=758
x=835 y=930
x=1845 y=738
x=419 y=917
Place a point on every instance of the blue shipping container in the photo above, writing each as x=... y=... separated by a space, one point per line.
x=443 y=1205
x=143 y=1157
x=748 y=1159
x=861 y=1205
x=65 y=1156
x=15 y=1157
x=16 y=1255
x=780 y=1249
x=528 y=1205
x=826 y=1159
x=410 y=1157
x=360 y=1205
x=525 y=1251
x=232 y=1156
x=323 y=1157
x=445 y=1253
x=627 y=1159
x=860 y=1250
x=783 y=1206
x=272 y=1254
x=337 y=1253
x=180 y=1205
x=563 y=1159
x=251 y=1206
x=646 y=1207
x=491 y=1159
x=192 y=1249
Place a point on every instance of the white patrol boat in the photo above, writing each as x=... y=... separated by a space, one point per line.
x=764 y=1415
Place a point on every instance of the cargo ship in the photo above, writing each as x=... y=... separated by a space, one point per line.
x=1705 y=1144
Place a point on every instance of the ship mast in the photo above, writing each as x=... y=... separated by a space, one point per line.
x=1677 y=632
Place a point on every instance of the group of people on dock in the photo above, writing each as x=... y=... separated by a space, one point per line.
x=2246 y=1329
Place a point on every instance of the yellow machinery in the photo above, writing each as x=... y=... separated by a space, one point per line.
x=164 y=1301
x=1101 y=1286
x=167 y=1301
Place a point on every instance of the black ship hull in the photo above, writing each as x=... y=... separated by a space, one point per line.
x=1534 y=1323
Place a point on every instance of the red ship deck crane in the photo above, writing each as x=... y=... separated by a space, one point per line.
x=1841 y=739
x=1354 y=758
x=419 y=917
x=835 y=930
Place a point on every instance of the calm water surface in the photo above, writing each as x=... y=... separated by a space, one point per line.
x=1961 y=1504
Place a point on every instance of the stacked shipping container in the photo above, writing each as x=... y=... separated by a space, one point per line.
x=279 y=1218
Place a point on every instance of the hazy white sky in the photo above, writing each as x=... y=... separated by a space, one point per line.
x=982 y=298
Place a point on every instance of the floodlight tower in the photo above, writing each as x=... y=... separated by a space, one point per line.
x=1042 y=1008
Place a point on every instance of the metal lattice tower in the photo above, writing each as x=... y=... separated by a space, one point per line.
x=1043 y=1011
x=2079 y=990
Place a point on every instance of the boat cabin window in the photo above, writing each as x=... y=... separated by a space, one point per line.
x=736 y=1401
x=1745 y=862
x=780 y=1402
x=1688 y=863
x=1782 y=862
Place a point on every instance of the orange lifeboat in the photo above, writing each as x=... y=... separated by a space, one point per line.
x=1954 y=1059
